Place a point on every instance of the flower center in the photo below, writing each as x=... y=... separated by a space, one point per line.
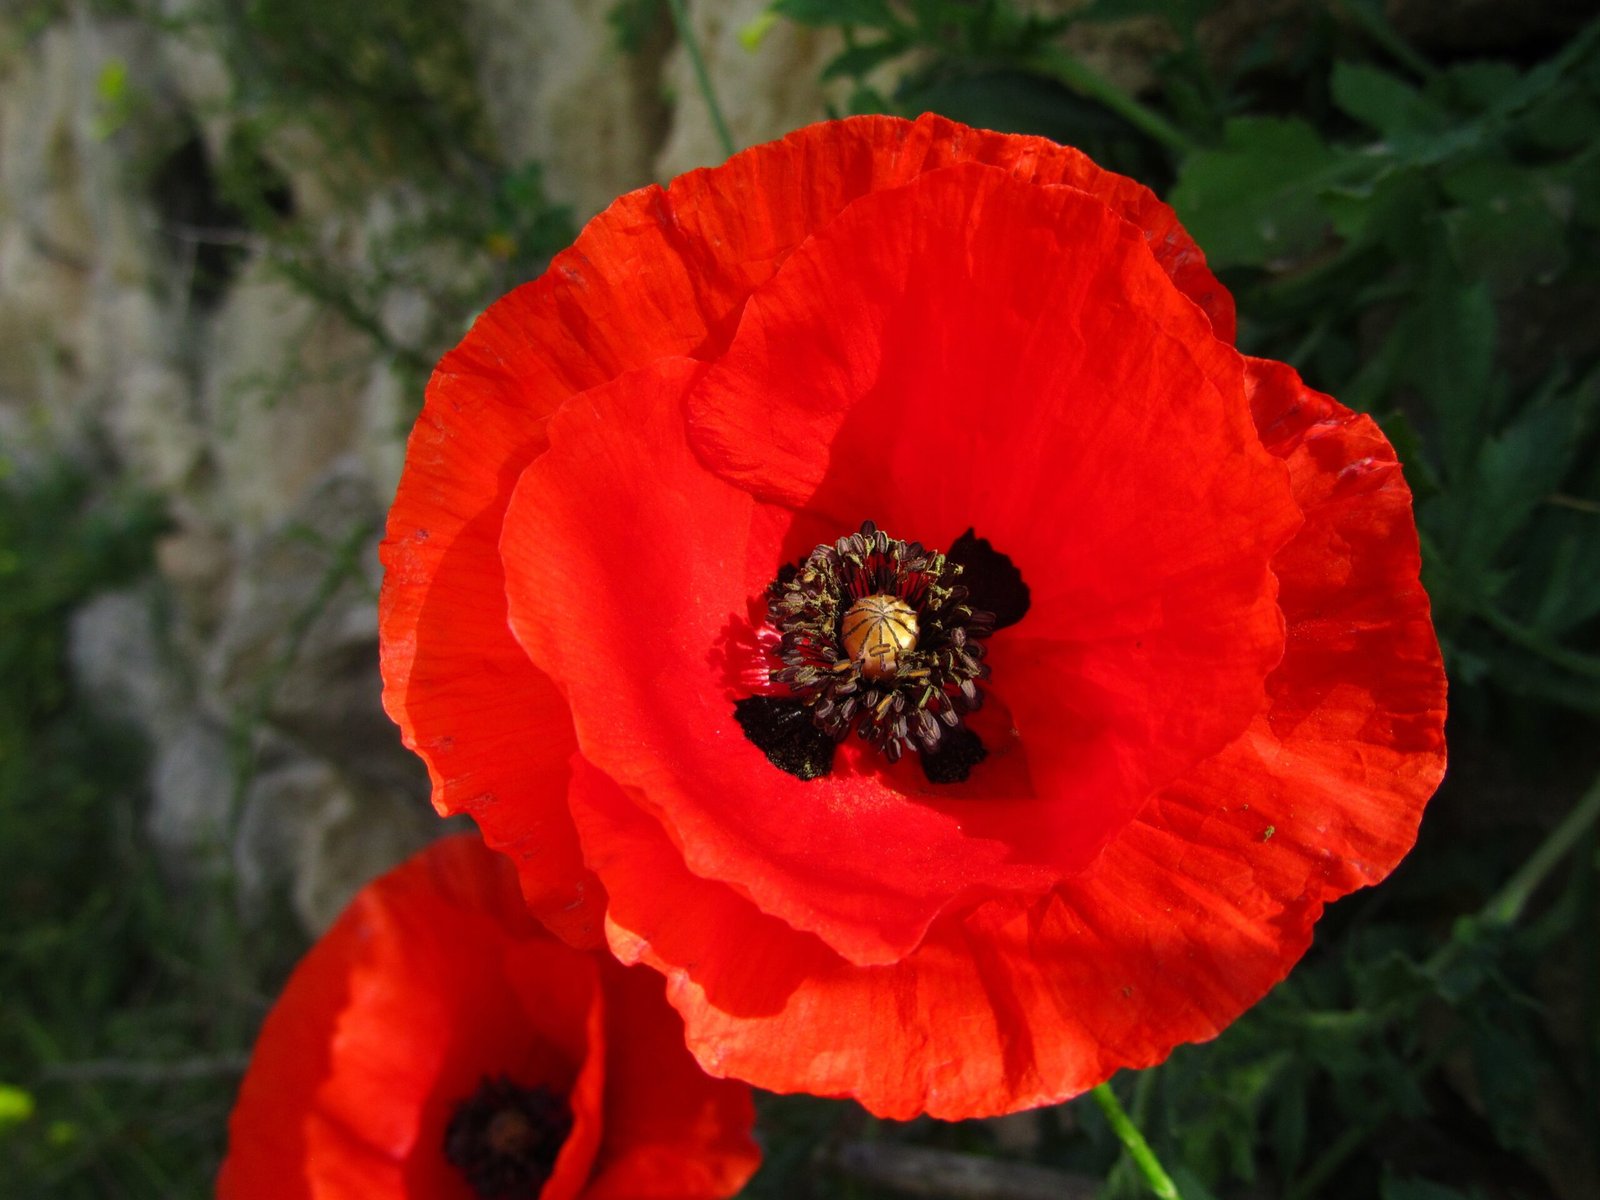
x=875 y=632
x=504 y=1139
x=877 y=636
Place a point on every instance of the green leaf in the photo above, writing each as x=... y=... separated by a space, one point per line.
x=1448 y=340
x=1570 y=597
x=1506 y=225
x=753 y=34
x=1384 y=208
x=1478 y=86
x=1505 y=1058
x=1514 y=473
x=1258 y=199
x=1384 y=102
x=859 y=60
x=836 y=12
x=1289 y=1124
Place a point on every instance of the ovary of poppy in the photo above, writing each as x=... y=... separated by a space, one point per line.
x=439 y=1043
x=1186 y=613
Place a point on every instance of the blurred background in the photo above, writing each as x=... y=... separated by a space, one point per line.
x=236 y=234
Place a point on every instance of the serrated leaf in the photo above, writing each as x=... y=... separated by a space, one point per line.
x=1506 y=223
x=1570 y=597
x=1385 y=102
x=1477 y=86
x=1514 y=473
x=1504 y=1058
x=1257 y=199
x=859 y=60
x=1385 y=207
x=1448 y=340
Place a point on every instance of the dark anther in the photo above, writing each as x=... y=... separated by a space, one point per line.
x=957 y=754
x=992 y=582
x=504 y=1139
x=881 y=638
x=782 y=729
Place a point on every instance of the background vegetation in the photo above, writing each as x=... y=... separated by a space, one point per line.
x=1412 y=223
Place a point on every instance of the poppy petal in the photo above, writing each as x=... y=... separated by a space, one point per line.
x=359 y=1065
x=627 y=564
x=492 y=729
x=436 y=985
x=659 y=273
x=970 y=351
x=671 y=1129
x=626 y=595
x=1189 y=915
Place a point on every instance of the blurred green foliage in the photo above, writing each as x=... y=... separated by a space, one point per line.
x=126 y=1010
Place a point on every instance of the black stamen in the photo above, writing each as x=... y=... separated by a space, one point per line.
x=882 y=638
x=992 y=582
x=504 y=1139
x=958 y=752
x=782 y=729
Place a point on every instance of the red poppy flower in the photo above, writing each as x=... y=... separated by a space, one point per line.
x=867 y=575
x=439 y=1043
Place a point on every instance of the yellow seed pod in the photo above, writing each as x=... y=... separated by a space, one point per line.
x=875 y=631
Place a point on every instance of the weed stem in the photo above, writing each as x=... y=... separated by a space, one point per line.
x=686 y=34
x=1133 y=1141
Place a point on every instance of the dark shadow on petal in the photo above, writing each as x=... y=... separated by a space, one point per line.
x=992 y=582
x=958 y=752
x=781 y=729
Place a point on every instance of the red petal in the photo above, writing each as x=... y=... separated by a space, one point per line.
x=630 y=568
x=999 y=1011
x=393 y=1018
x=672 y=1131
x=492 y=729
x=971 y=351
x=1189 y=915
x=1352 y=742
x=659 y=273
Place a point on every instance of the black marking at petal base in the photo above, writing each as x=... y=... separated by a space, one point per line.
x=992 y=581
x=907 y=676
x=504 y=1138
x=952 y=761
x=782 y=729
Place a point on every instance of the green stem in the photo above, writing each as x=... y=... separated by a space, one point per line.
x=1376 y=26
x=1133 y=1141
x=686 y=35
x=1506 y=906
x=1064 y=68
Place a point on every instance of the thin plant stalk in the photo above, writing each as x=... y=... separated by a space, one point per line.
x=1506 y=906
x=1133 y=1141
x=686 y=35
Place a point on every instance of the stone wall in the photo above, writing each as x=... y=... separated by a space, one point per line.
x=135 y=336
